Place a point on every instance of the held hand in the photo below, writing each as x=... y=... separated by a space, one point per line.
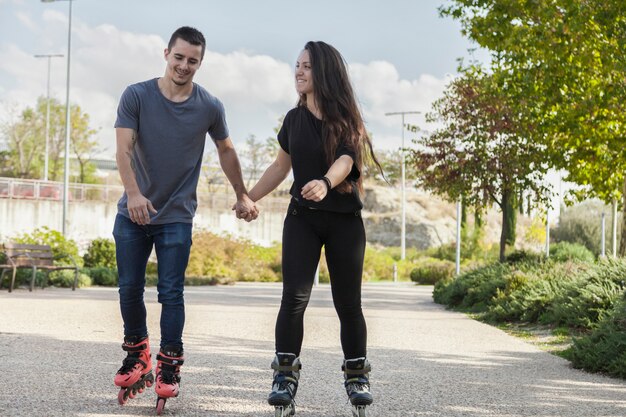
x=315 y=190
x=139 y=209
x=246 y=209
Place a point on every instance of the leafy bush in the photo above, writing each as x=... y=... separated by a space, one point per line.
x=379 y=262
x=102 y=276
x=65 y=278
x=473 y=290
x=218 y=257
x=587 y=297
x=519 y=256
x=431 y=270
x=101 y=253
x=604 y=349
x=531 y=291
x=566 y=251
x=64 y=250
x=581 y=224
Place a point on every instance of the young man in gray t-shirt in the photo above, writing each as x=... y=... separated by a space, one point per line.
x=161 y=131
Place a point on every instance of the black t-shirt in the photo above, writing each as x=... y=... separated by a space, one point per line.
x=301 y=137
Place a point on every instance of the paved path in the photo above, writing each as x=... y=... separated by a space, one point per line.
x=60 y=349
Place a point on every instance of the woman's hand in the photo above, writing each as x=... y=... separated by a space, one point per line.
x=315 y=190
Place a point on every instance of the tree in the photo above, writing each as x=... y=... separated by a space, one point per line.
x=26 y=141
x=566 y=61
x=482 y=153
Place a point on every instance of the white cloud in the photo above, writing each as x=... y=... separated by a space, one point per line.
x=26 y=20
x=256 y=89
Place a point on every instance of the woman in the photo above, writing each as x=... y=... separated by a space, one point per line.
x=324 y=140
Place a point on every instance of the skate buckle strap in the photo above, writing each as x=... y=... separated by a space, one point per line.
x=286 y=368
x=134 y=348
x=365 y=370
x=169 y=360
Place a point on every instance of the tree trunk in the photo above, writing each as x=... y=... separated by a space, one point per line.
x=509 y=220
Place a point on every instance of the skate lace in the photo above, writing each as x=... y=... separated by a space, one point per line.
x=128 y=364
x=168 y=377
x=358 y=387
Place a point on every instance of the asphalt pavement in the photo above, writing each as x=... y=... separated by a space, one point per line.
x=59 y=351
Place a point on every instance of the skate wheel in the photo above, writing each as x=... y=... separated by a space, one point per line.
x=132 y=394
x=160 y=405
x=121 y=397
x=358 y=411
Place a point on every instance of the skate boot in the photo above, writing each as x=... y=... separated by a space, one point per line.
x=136 y=371
x=356 y=372
x=169 y=360
x=286 y=368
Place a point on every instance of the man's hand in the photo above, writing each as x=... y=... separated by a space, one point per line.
x=246 y=209
x=139 y=209
x=315 y=190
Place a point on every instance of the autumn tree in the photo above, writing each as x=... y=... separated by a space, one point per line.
x=481 y=154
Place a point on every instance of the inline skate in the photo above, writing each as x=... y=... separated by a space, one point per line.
x=169 y=360
x=356 y=373
x=286 y=368
x=136 y=371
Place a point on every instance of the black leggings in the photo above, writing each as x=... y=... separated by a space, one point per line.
x=304 y=233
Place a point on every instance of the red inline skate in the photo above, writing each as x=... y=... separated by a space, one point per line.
x=169 y=360
x=136 y=371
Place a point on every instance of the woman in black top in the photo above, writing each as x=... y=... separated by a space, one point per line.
x=324 y=140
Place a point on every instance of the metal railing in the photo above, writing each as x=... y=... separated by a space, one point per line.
x=17 y=188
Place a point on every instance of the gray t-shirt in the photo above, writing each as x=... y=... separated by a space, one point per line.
x=167 y=155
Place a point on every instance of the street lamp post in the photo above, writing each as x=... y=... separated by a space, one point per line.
x=45 y=163
x=66 y=176
x=402 y=186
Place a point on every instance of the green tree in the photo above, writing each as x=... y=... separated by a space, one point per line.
x=482 y=153
x=26 y=142
x=565 y=59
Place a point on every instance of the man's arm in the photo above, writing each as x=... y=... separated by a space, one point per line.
x=138 y=205
x=245 y=208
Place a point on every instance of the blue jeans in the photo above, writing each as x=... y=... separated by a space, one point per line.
x=172 y=243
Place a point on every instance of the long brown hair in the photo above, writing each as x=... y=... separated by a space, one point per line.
x=335 y=99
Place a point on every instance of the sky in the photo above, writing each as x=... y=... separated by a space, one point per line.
x=400 y=54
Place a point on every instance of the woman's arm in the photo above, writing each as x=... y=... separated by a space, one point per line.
x=272 y=177
x=317 y=189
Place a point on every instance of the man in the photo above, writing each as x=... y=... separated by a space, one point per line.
x=161 y=130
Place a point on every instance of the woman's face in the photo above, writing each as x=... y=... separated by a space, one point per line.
x=304 y=74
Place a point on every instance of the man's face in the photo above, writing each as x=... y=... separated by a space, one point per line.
x=183 y=60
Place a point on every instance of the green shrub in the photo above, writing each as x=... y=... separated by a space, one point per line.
x=581 y=224
x=583 y=301
x=531 y=291
x=604 y=349
x=100 y=253
x=65 y=278
x=102 y=276
x=378 y=264
x=519 y=256
x=64 y=250
x=566 y=251
x=431 y=270
x=473 y=290
x=214 y=256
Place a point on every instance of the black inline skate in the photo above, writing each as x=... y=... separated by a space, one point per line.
x=356 y=372
x=286 y=368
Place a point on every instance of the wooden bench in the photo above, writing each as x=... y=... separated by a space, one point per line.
x=35 y=257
